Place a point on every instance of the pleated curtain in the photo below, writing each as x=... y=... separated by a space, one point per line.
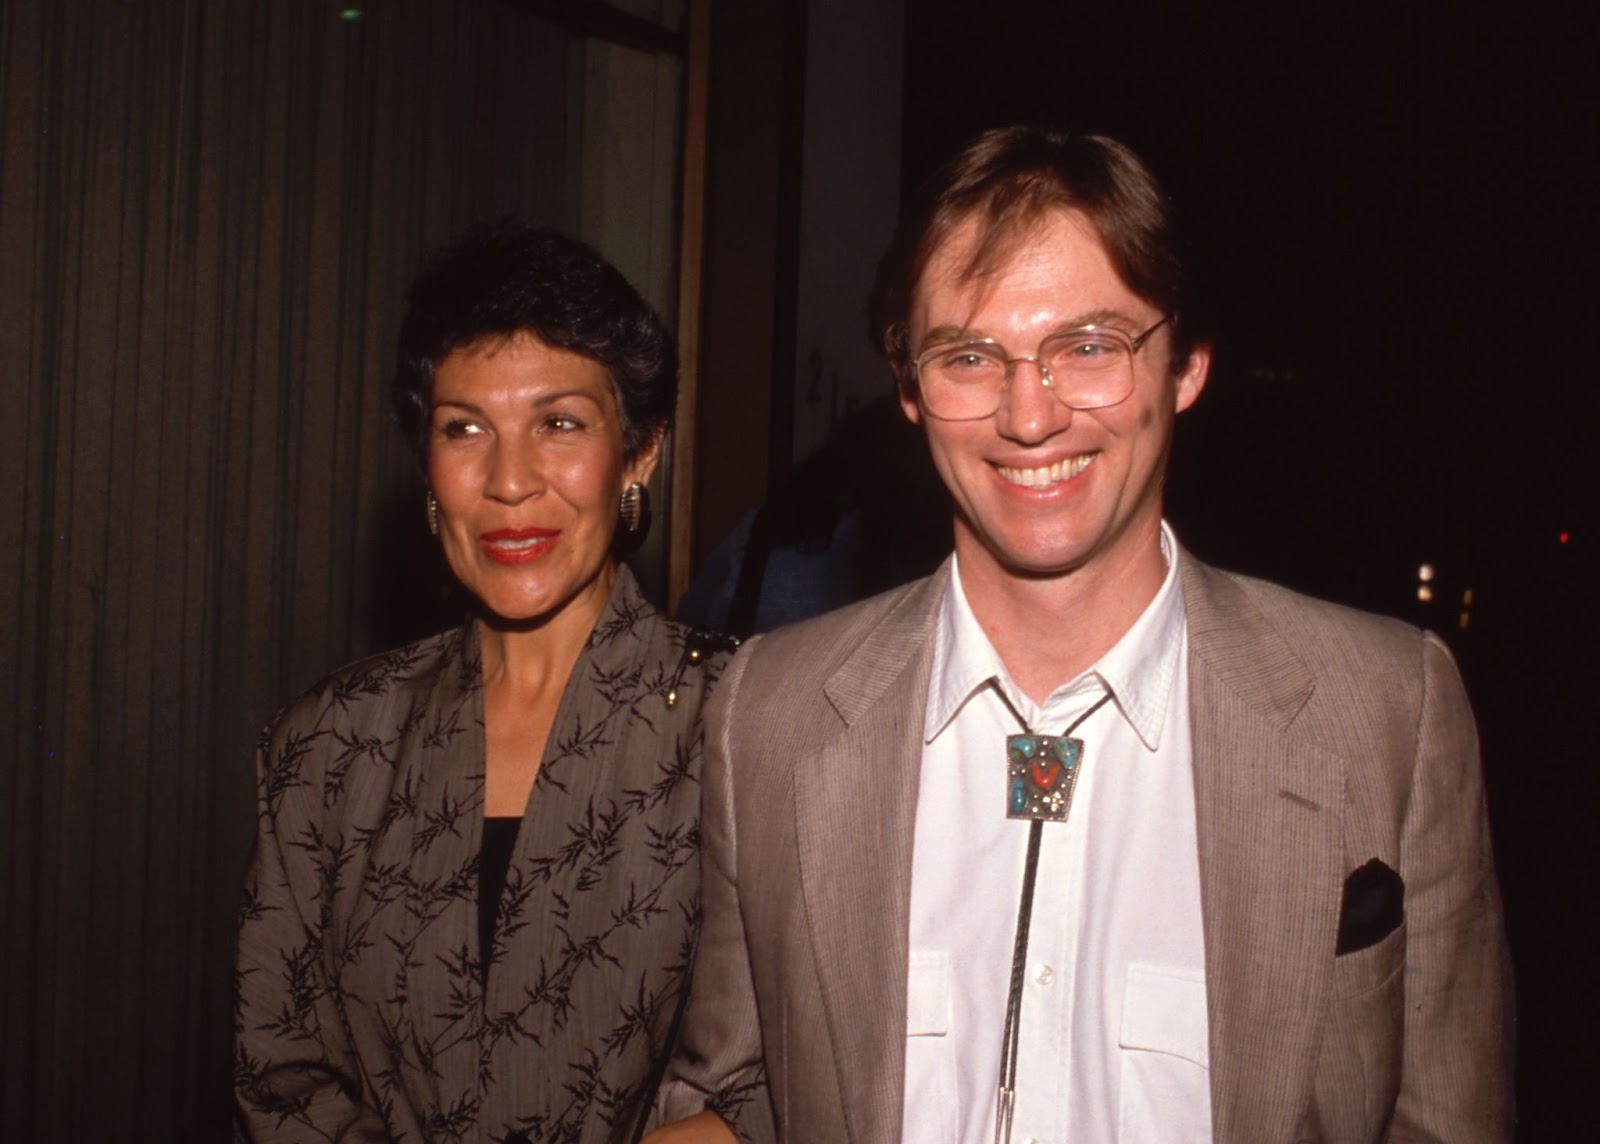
x=208 y=216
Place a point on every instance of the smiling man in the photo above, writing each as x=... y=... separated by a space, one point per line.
x=1079 y=838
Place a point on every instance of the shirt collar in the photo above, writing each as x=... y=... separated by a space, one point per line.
x=1140 y=670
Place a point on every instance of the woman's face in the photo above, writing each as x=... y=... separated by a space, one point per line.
x=525 y=460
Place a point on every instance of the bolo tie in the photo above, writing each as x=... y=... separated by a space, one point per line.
x=1041 y=774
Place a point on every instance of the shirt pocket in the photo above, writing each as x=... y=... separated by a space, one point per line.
x=1165 y=1087
x=931 y=1101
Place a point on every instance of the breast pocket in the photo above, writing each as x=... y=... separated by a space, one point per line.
x=1166 y=1070
x=1372 y=969
x=930 y=1055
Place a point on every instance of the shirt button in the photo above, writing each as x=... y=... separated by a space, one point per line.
x=1045 y=975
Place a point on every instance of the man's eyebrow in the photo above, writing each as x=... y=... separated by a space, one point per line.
x=1099 y=318
x=939 y=335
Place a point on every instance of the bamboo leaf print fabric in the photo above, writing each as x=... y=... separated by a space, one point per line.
x=363 y=1008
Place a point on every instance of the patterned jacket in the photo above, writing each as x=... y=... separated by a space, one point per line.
x=361 y=1011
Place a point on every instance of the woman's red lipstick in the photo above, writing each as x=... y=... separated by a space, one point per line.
x=517 y=545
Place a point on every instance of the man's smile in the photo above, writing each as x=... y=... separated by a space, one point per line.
x=1047 y=475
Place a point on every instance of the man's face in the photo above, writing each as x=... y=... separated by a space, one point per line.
x=1041 y=489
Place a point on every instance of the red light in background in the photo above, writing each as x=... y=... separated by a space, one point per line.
x=1563 y=538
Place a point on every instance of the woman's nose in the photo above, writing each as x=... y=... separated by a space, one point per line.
x=514 y=472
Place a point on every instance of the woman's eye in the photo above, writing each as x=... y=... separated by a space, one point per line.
x=458 y=430
x=562 y=423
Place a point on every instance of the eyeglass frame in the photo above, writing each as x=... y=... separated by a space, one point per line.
x=1135 y=344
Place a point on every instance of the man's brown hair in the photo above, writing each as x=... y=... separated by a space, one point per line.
x=1010 y=179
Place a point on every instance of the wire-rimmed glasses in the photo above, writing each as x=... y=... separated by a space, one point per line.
x=1090 y=367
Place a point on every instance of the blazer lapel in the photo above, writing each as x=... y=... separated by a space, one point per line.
x=1269 y=804
x=856 y=800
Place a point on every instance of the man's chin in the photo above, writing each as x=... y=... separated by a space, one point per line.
x=1033 y=562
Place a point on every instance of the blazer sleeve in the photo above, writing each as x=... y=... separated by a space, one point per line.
x=718 y=1063
x=1456 y=1068
x=294 y=1072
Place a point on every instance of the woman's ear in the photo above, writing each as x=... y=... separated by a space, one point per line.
x=644 y=462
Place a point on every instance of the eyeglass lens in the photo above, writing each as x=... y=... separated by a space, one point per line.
x=1085 y=369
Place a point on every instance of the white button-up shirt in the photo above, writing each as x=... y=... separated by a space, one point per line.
x=1113 y=1039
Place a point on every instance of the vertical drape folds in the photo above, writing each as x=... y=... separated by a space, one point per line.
x=208 y=215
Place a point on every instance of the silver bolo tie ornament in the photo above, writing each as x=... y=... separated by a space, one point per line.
x=1041 y=774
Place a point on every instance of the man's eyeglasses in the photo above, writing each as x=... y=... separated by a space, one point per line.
x=1086 y=368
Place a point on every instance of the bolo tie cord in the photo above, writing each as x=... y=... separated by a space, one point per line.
x=1007 y=1097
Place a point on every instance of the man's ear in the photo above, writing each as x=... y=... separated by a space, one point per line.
x=1193 y=378
x=905 y=389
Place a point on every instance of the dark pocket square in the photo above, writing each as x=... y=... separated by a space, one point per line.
x=1373 y=907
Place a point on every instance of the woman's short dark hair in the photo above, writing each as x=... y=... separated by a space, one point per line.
x=1009 y=179
x=508 y=278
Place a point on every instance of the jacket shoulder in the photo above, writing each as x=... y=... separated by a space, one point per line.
x=1340 y=674
x=1327 y=634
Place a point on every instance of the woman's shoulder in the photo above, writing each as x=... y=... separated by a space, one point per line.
x=634 y=626
x=370 y=687
x=360 y=717
x=644 y=662
x=703 y=657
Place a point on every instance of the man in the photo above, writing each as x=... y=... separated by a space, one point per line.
x=1081 y=839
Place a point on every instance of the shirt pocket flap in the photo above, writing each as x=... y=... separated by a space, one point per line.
x=928 y=994
x=1164 y=1011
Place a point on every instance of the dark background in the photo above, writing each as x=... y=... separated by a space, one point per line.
x=1393 y=216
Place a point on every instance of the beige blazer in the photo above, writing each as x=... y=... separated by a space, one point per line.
x=1323 y=738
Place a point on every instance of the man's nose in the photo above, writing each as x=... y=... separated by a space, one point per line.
x=1029 y=411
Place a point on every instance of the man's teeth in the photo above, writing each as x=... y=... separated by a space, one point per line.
x=1049 y=474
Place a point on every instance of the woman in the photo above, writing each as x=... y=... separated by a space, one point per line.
x=471 y=908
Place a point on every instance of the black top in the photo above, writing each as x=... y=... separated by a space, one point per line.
x=499 y=837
